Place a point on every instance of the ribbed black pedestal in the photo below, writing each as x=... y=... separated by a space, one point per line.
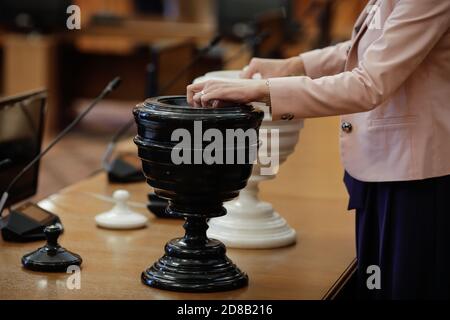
x=195 y=263
x=216 y=273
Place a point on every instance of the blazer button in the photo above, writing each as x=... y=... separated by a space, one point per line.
x=346 y=127
x=287 y=116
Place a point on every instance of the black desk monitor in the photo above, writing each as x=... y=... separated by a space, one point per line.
x=21 y=132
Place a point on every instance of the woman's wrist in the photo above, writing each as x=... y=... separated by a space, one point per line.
x=295 y=66
x=264 y=92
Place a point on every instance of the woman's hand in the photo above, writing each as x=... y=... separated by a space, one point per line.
x=215 y=93
x=270 y=68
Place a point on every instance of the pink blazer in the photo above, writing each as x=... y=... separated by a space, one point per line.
x=390 y=83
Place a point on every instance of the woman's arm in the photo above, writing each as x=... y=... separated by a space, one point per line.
x=314 y=64
x=410 y=32
x=326 y=62
x=271 y=68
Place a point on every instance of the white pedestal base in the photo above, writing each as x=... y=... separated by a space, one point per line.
x=257 y=227
x=251 y=223
x=121 y=217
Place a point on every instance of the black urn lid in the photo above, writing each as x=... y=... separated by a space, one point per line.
x=51 y=257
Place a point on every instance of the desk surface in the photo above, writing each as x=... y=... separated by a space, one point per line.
x=114 y=260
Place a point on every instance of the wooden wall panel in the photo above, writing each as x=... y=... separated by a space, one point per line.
x=30 y=62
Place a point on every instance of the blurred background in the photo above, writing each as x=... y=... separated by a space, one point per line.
x=147 y=42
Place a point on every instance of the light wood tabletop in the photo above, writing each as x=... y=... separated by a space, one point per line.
x=114 y=260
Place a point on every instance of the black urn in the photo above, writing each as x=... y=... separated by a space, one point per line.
x=196 y=158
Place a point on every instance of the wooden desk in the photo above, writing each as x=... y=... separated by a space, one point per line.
x=113 y=260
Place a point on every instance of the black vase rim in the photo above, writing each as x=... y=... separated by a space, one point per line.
x=177 y=106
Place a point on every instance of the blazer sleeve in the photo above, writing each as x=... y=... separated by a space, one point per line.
x=326 y=62
x=410 y=32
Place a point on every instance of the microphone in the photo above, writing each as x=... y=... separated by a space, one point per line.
x=111 y=86
x=212 y=43
x=108 y=89
x=123 y=172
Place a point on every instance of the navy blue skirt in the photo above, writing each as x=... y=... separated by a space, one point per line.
x=403 y=228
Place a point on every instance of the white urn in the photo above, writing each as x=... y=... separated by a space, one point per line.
x=250 y=222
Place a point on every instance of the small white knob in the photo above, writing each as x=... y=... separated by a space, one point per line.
x=121 y=216
x=121 y=196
